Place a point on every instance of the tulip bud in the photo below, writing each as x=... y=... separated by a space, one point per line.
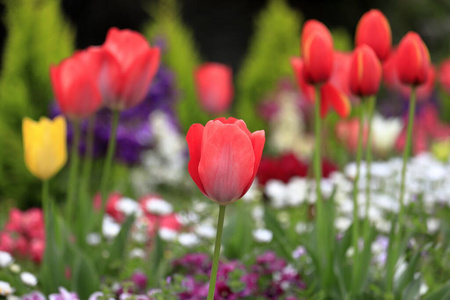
x=444 y=75
x=214 y=84
x=44 y=146
x=374 y=30
x=76 y=84
x=413 y=60
x=365 y=72
x=224 y=158
x=317 y=51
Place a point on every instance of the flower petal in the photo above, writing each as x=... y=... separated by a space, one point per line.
x=194 y=139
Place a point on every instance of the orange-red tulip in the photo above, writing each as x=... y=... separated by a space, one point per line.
x=298 y=68
x=76 y=85
x=214 y=83
x=334 y=97
x=129 y=70
x=412 y=60
x=374 y=30
x=317 y=52
x=365 y=72
x=444 y=75
x=224 y=158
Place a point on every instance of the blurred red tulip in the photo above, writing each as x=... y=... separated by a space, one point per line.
x=76 y=84
x=317 y=52
x=130 y=67
x=224 y=158
x=444 y=75
x=374 y=30
x=332 y=96
x=347 y=131
x=214 y=83
x=37 y=248
x=298 y=68
x=390 y=78
x=365 y=72
x=7 y=243
x=413 y=60
x=340 y=76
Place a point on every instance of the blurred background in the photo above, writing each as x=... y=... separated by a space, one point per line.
x=222 y=29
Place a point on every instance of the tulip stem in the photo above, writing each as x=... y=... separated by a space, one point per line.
x=73 y=171
x=215 y=265
x=406 y=153
x=355 y=226
x=370 y=111
x=109 y=158
x=88 y=157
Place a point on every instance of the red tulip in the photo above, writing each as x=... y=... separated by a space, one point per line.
x=334 y=97
x=444 y=75
x=374 y=30
x=340 y=77
x=6 y=242
x=347 y=131
x=424 y=91
x=317 y=51
x=224 y=158
x=130 y=67
x=76 y=85
x=390 y=78
x=365 y=72
x=214 y=84
x=330 y=95
x=413 y=60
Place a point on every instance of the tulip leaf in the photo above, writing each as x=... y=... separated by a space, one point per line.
x=85 y=279
x=442 y=292
x=401 y=281
x=280 y=238
x=237 y=234
x=412 y=291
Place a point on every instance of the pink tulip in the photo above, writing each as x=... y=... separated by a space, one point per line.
x=130 y=67
x=214 y=83
x=224 y=158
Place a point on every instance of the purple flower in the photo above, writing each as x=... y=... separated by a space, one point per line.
x=63 y=295
x=140 y=280
x=34 y=296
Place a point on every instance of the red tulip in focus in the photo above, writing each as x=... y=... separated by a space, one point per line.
x=317 y=52
x=224 y=158
x=76 y=84
x=130 y=67
x=365 y=72
x=374 y=31
x=214 y=84
x=413 y=60
x=424 y=91
x=444 y=75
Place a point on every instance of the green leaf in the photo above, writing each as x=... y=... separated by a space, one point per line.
x=441 y=293
x=85 y=279
x=237 y=234
x=407 y=275
x=412 y=291
x=280 y=238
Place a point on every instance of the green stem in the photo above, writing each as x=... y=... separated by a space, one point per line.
x=73 y=171
x=355 y=227
x=215 y=265
x=45 y=198
x=109 y=158
x=88 y=158
x=370 y=111
x=406 y=153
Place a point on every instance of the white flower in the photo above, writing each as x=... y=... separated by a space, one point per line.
x=342 y=224
x=262 y=235
x=276 y=190
x=5 y=289
x=28 y=278
x=98 y=295
x=137 y=253
x=385 y=132
x=5 y=259
x=128 y=207
x=167 y=234
x=298 y=252
x=93 y=238
x=110 y=228
x=206 y=231
x=252 y=192
x=188 y=239
x=433 y=225
x=159 y=207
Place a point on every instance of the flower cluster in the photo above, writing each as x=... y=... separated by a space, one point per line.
x=24 y=234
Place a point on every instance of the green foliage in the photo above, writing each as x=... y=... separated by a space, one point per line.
x=182 y=58
x=37 y=37
x=276 y=39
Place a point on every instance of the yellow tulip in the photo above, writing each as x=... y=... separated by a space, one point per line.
x=45 y=149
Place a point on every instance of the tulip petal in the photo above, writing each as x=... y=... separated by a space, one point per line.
x=258 y=140
x=338 y=100
x=194 y=139
x=138 y=77
x=298 y=68
x=227 y=162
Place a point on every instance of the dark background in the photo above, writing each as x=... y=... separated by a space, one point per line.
x=222 y=29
